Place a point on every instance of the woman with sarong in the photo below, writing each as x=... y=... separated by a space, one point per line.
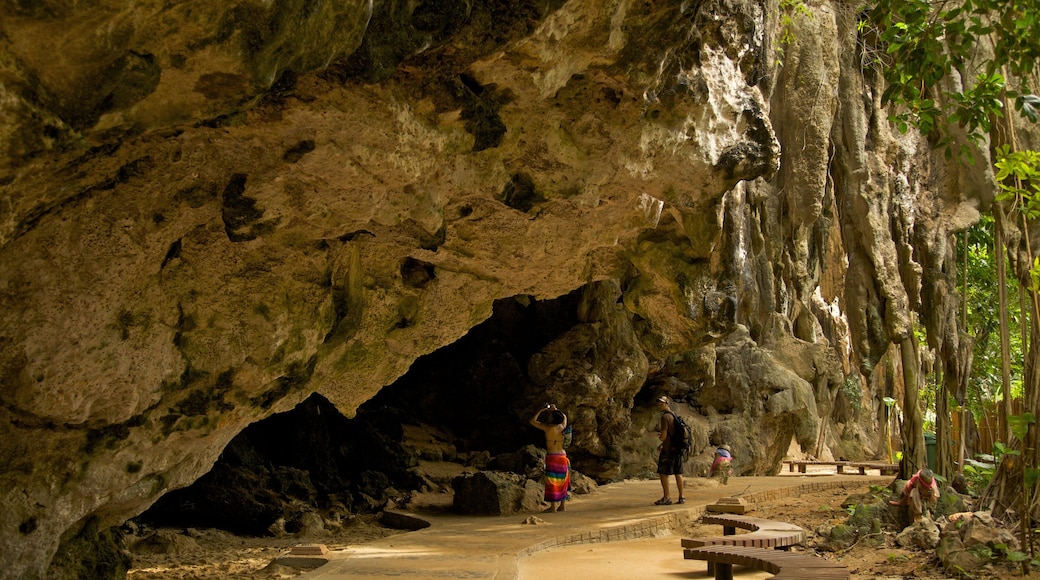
x=557 y=466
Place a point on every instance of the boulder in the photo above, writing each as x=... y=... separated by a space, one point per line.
x=164 y=542
x=495 y=493
x=973 y=540
x=923 y=534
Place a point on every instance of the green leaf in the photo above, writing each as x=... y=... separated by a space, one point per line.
x=1028 y=105
x=1031 y=475
x=1016 y=556
x=1020 y=423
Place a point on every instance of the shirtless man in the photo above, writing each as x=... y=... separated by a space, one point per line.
x=557 y=466
x=669 y=460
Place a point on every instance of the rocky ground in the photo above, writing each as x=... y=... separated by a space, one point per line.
x=877 y=556
x=180 y=554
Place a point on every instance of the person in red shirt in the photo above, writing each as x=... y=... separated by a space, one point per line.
x=919 y=493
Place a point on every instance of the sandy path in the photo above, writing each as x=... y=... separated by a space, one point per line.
x=652 y=558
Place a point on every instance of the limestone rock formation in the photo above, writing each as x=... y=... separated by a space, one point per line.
x=210 y=211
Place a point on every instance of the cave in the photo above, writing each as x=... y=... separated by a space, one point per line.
x=468 y=403
x=219 y=221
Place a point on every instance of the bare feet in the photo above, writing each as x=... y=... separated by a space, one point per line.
x=549 y=510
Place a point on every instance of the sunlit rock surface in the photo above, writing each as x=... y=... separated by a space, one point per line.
x=209 y=211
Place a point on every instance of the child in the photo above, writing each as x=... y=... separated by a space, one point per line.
x=721 y=465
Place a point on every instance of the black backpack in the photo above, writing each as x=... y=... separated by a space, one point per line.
x=682 y=436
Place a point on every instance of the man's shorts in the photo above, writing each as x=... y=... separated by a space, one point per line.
x=669 y=463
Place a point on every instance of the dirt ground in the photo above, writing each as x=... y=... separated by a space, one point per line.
x=213 y=554
x=216 y=554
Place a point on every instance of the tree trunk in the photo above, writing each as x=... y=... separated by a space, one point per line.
x=1007 y=491
x=965 y=358
x=912 y=432
x=963 y=440
x=1005 y=340
x=886 y=390
x=1031 y=404
x=943 y=432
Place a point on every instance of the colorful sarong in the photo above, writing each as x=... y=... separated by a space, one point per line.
x=557 y=476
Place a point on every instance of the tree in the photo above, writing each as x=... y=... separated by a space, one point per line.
x=991 y=386
x=952 y=71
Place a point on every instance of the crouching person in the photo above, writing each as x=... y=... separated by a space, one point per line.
x=721 y=466
x=920 y=494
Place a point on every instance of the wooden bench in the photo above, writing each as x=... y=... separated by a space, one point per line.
x=763 y=533
x=781 y=564
x=803 y=463
x=884 y=468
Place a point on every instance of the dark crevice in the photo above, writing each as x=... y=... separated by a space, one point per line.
x=416 y=273
x=296 y=152
x=172 y=253
x=520 y=193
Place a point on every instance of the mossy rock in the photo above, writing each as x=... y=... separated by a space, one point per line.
x=949 y=503
x=839 y=538
x=873 y=517
x=962 y=563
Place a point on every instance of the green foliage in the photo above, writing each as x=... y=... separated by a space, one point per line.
x=983 y=320
x=853 y=392
x=1020 y=424
x=1016 y=556
x=983 y=552
x=1032 y=474
x=925 y=42
x=978 y=474
x=788 y=10
x=1018 y=175
x=979 y=471
x=1019 y=428
x=896 y=558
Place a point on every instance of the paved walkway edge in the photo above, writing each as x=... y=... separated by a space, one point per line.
x=668 y=522
x=493 y=547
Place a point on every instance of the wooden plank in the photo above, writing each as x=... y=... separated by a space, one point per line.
x=884 y=468
x=781 y=564
x=760 y=539
x=309 y=550
x=748 y=522
x=802 y=464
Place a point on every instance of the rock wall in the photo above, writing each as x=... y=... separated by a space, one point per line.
x=209 y=211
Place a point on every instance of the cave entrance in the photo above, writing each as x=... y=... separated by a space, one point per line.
x=463 y=405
